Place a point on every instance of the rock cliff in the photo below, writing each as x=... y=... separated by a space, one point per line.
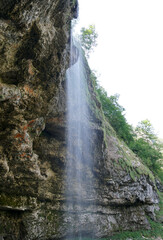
x=34 y=56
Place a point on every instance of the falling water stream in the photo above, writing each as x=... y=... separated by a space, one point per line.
x=79 y=158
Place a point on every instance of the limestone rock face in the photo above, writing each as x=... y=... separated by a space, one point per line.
x=34 y=56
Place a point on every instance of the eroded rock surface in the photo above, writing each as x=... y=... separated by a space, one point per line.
x=34 y=56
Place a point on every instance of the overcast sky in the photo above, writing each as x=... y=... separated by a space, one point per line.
x=129 y=55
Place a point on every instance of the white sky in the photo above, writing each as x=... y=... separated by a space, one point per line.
x=129 y=55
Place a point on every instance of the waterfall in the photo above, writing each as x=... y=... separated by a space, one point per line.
x=79 y=184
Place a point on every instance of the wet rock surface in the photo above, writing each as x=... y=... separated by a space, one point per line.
x=34 y=56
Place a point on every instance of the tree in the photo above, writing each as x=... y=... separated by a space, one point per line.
x=143 y=141
x=114 y=113
x=145 y=130
x=147 y=152
x=88 y=39
x=147 y=146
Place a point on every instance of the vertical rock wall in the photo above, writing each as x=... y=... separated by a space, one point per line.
x=34 y=55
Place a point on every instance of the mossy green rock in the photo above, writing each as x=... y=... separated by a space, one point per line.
x=34 y=56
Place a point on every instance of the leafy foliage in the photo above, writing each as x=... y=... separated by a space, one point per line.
x=146 y=152
x=114 y=114
x=146 y=131
x=147 y=146
x=88 y=38
x=142 y=141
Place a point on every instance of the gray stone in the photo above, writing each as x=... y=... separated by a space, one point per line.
x=34 y=56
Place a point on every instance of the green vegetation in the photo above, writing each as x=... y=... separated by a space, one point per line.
x=159 y=214
x=148 y=147
x=142 y=141
x=114 y=114
x=155 y=231
x=146 y=150
x=145 y=144
x=88 y=38
x=131 y=163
